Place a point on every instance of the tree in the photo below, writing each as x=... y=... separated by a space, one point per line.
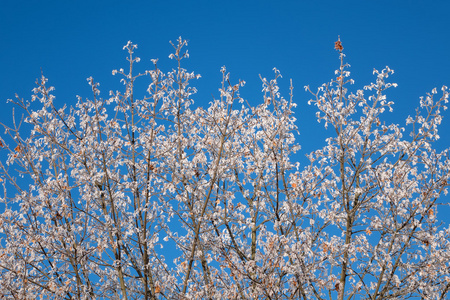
x=95 y=194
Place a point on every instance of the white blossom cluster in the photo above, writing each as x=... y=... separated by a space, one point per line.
x=146 y=197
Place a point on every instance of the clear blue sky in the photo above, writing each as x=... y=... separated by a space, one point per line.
x=72 y=40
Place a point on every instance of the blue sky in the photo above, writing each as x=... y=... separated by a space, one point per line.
x=72 y=40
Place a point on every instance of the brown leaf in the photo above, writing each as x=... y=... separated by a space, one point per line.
x=338 y=45
x=157 y=289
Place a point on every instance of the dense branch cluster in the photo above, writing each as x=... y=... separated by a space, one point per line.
x=145 y=197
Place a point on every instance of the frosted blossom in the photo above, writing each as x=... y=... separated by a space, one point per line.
x=144 y=196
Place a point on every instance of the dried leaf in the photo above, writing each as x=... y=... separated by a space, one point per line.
x=336 y=286
x=157 y=289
